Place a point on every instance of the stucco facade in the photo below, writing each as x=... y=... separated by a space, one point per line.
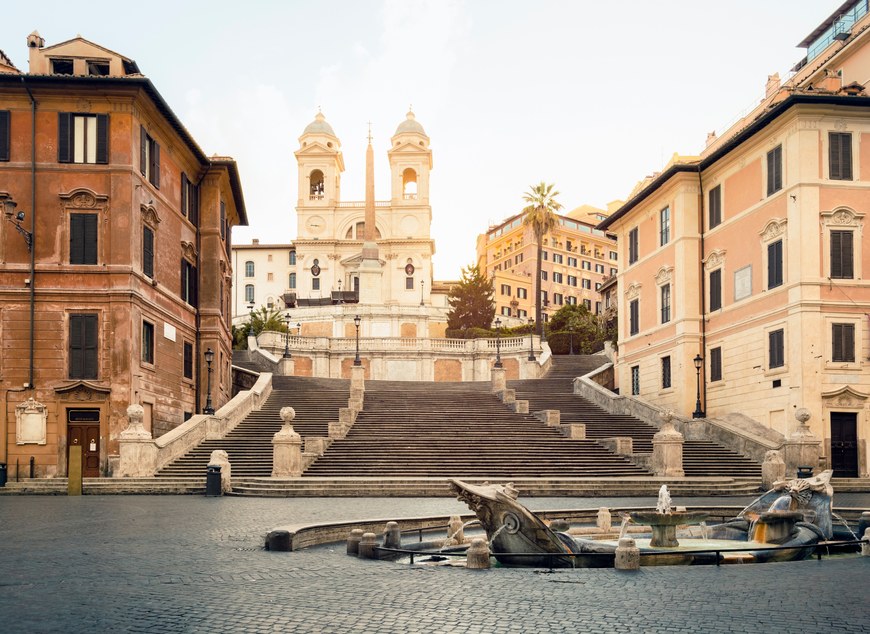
x=129 y=277
x=751 y=256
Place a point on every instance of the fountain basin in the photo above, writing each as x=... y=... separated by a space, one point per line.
x=664 y=525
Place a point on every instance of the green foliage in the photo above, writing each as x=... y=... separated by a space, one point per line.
x=260 y=320
x=471 y=301
x=540 y=215
x=574 y=326
x=487 y=333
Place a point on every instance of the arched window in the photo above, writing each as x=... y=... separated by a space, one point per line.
x=358 y=232
x=409 y=184
x=316 y=184
x=293 y=280
x=292 y=258
x=249 y=269
x=249 y=293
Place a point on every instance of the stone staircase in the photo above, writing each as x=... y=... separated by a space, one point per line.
x=249 y=445
x=555 y=391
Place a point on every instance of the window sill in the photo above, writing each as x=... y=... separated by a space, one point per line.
x=776 y=371
x=843 y=366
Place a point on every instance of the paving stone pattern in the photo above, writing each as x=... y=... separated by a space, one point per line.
x=194 y=564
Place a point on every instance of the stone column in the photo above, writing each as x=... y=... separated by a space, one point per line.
x=287 y=448
x=802 y=449
x=667 y=456
x=772 y=469
x=138 y=453
x=627 y=555
x=499 y=383
x=357 y=377
x=285 y=366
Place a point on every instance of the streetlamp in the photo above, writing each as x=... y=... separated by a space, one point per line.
x=209 y=357
x=531 y=340
x=356 y=360
x=422 y=283
x=498 y=343
x=699 y=361
x=287 y=337
x=16 y=219
x=339 y=293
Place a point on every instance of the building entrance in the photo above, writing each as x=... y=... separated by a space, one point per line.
x=844 y=444
x=83 y=429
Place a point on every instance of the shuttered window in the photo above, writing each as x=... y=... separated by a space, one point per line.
x=223 y=221
x=842 y=255
x=632 y=246
x=840 y=156
x=774 y=264
x=776 y=348
x=715 y=207
x=635 y=380
x=189 y=199
x=4 y=135
x=82 y=138
x=83 y=238
x=715 y=364
x=666 y=372
x=188 y=283
x=147 y=342
x=149 y=158
x=716 y=289
x=634 y=317
x=83 y=342
x=148 y=251
x=843 y=342
x=666 y=303
x=664 y=226
x=774 y=170
x=188 y=360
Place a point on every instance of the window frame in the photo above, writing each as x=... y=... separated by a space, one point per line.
x=775 y=262
x=665 y=302
x=148 y=343
x=635 y=380
x=715 y=364
x=84 y=238
x=664 y=225
x=667 y=382
x=633 y=244
x=633 y=317
x=187 y=360
x=68 y=141
x=841 y=268
x=846 y=349
x=250 y=268
x=715 y=274
x=776 y=357
x=840 y=162
x=86 y=323
x=149 y=157
x=774 y=170
x=714 y=207
x=148 y=240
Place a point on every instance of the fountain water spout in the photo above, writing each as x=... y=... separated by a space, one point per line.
x=664 y=503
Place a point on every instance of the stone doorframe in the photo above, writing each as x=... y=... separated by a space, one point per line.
x=847 y=399
x=78 y=395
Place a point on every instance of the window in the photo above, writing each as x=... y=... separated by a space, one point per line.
x=587 y=284
x=189 y=200
x=632 y=246
x=544 y=255
x=293 y=258
x=599 y=268
x=249 y=269
x=149 y=158
x=635 y=380
x=189 y=283
x=522 y=313
x=587 y=303
x=843 y=343
x=614 y=255
x=270 y=277
x=544 y=275
x=715 y=364
x=188 y=360
x=586 y=266
x=774 y=264
x=315 y=284
x=840 y=156
x=634 y=317
x=715 y=207
x=597 y=308
x=82 y=238
x=4 y=135
x=572 y=280
x=409 y=284
x=774 y=170
x=613 y=271
x=249 y=293
x=223 y=220
x=841 y=255
x=98 y=68
x=666 y=303
x=664 y=226
x=61 y=67
x=147 y=342
x=572 y=261
x=571 y=300
x=518 y=259
x=776 y=348
x=545 y=298
x=557 y=277
x=148 y=251
x=522 y=293
x=292 y=281
x=568 y=245
x=557 y=258
x=506 y=311
x=558 y=299
x=715 y=290
x=82 y=138
x=83 y=350
x=505 y=289
x=666 y=372
x=597 y=286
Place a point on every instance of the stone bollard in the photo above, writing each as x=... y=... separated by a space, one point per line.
x=367 y=546
x=353 y=541
x=392 y=535
x=278 y=541
x=455 y=531
x=865 y=548
x=863 y=522
x=627 y=555
x=220 y=458
x=604 y=519
x=287 y=448
x=772 y=469
x=477 y=557
x=559 y=526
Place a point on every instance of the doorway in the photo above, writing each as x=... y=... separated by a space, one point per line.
x=844 y=444
x=83 y=429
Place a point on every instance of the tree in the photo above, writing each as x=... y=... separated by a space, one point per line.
x=260 y=320
x=574 y=327
x=471 y=301
x=541 y=217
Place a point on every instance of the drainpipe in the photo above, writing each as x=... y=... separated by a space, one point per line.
x=197 y=345
x=32 y=225
x=703 y=286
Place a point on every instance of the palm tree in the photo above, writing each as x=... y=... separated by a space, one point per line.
x=541 y=216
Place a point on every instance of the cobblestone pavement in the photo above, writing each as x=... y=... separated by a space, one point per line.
x=194 y=564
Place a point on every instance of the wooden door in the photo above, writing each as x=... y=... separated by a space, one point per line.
x=844 y=444
x=83 y=429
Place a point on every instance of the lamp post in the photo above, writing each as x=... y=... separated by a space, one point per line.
x=287 y=354
x=356 y=360
x=422 y=283
x=698 y=361
x=16 y=219
x=498 y=343
x=339 y=293
x=209 y=357
x=531 y=340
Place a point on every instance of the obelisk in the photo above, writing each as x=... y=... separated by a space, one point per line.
x=370 y=272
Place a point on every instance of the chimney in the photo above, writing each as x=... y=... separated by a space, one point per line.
x=772 y=85
x=255 y=241
x=711 y=138
x=35 y=42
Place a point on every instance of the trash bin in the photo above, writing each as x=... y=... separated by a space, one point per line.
x=2 y=474
x=213 y=481
x=804 y=472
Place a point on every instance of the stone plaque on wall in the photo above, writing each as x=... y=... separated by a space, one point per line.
x=30 y=418
x=743 y=283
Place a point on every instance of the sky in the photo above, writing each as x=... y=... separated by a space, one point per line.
x=590 y=96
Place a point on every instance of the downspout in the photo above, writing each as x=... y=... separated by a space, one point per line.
x=32 y=226
x=703 y=287
x=197 y=347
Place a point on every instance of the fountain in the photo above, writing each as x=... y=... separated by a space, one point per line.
x=664 y=521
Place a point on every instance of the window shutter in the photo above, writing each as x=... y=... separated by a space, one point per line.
x=148 y=251
x=90 y=347
x=184 y=200
x=102 y=138
x=716 y=364
x=64 y=137
x=76 y=239
x=155 y=165
x=840 y=155
x=76 y=338
x=841 y=255
x=774 y=264
x=194 y=204
x=848 y=342
x=90 y=238
x=716 y=290
x=846 y=156
x=83 y=352
x=143 y=154
x=4 y=135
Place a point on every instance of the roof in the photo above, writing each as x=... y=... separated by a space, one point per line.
x=827 y=23
x=754 y=128
x=319 y=126
x=235 y=184
x=263 y=247
x=410 y=125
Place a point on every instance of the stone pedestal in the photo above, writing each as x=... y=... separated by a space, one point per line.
x=772 y=469
x=552 y=417
x=285 y=366
x=627 y=555
x=865 y=548
x=802 y=449
x=604 y=519
x=220 y=458
x=137 y=452
x=392 y=535
x=499 y=382
x=353 y=541
x=477 y=555
x=667 y=457
x=287 y=448
x=575 y=431
x=367 y=546
x=357 y=377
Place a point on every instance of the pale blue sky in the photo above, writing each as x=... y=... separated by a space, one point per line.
x=589 y=96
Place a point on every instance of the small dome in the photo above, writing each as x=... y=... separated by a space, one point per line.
x=410 y=124
x=319 y=126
